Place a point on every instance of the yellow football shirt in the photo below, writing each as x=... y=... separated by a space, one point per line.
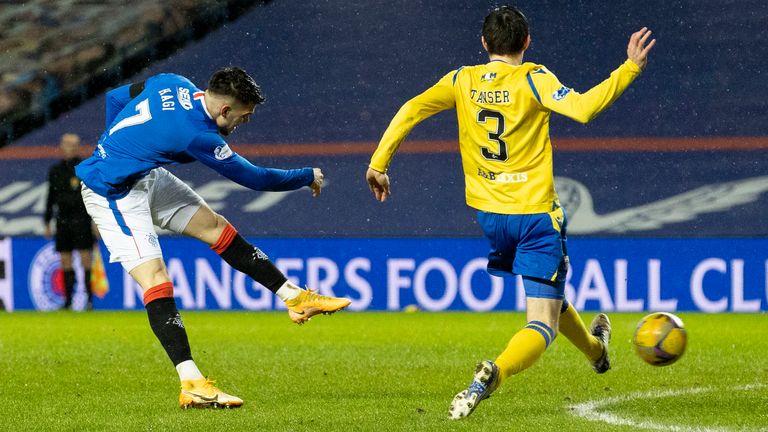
x=503 y=113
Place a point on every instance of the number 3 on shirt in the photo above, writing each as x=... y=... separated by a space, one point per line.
x=502 y=155
x=142 y=116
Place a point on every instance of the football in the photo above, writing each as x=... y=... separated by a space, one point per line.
x=660 y=338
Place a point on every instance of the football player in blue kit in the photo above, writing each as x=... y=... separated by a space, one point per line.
x=163 y=120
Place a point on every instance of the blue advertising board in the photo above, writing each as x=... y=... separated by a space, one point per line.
x=707 y=275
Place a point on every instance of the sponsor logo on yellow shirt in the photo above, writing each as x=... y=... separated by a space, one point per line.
x=503 y=177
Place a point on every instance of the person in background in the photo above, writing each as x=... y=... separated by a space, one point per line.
x=73 y=224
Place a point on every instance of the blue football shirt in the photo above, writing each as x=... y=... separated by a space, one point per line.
x=164 y=124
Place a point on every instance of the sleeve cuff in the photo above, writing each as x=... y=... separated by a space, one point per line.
x=377 y=168
x=310 y=175
x=632 y=66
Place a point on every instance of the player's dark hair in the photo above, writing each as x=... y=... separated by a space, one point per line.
x=505 y=30
x=235 y=82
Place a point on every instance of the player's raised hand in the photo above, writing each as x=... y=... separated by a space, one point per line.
x=639 y=47
x=317 y=184
x=378 y=182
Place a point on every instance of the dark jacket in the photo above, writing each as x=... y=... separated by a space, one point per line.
x=64 y=194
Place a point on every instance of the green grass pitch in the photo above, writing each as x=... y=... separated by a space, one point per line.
x=370 y=372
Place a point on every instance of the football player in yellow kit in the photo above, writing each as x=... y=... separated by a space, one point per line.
x=503 y=110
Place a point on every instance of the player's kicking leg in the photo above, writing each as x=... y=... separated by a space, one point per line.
x=593 y=342
x=308 y=303
x=224 y=239
x=601 y=329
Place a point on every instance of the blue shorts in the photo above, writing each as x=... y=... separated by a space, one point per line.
x=530 y=245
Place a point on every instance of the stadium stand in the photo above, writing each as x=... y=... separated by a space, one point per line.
x=58 y=54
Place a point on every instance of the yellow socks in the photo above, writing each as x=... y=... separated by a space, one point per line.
x=528 y=344
x=573 y=328
x=525 y=347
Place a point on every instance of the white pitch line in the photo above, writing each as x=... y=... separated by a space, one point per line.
x=589 y=410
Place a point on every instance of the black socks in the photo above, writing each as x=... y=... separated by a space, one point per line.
x=166 y=322
x=69 y=287
x=249 y=259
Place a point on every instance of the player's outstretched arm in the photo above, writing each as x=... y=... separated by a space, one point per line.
x=585 y=107
x=378 y=183
x=213 y=152
x=639 y=47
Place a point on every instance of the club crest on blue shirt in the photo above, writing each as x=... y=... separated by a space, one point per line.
x=222 y=152
x=559 y=94
x=488 y=77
